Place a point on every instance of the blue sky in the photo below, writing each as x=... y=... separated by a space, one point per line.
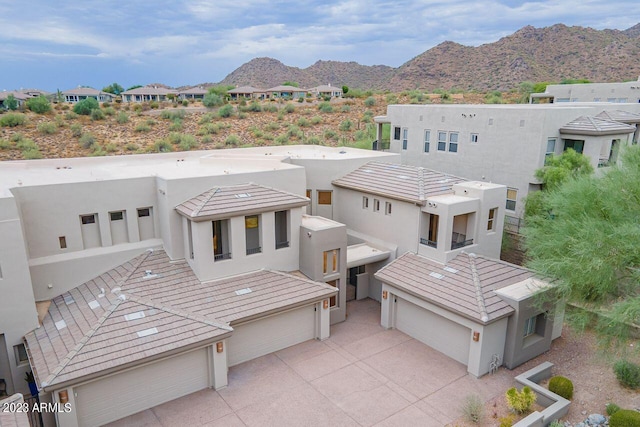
x=62 y=44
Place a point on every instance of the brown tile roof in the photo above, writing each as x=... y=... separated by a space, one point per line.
x=285 y=88
x=401 y=182
x=85 y=333
x=465 y=285
x=85 y=91
x=20 y=96
x=587 y=125
x=150 y=90
x=246 y=89
x=196 y=90
x=619 y=116
x=224 y=202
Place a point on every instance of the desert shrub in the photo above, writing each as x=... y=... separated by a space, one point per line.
x=175 y=125
x=303 y=122
x=272 y=126
x=268 y=137
x=12 y=120
x=561 y=386
x=39 y=105
x=162 y=146
x=187 y=142
x=16 y=137
x=506 y=421
x=282 y=139
x=520 y=401
x=345 y=109
x=26 y=144
x=111 y=147
x=137 y=108
x=330 y=134
x=242 y=115
x=76 y=130
x=173 y=114
x=232 y=140
x=612 y=408
x=345 y=125
x=392 y=98
x=32 y=154
x=207 y=139
x=209 y=129
x=226 y=111
x=87 y=140
x=109 y=111
x=556 y=423
x=97 y=151
x=316 y=120
x=280 y=116
x=254 y=107
x=325 y=107
x=294 y=132
x=85 y=106
x=70 y=115
x=472 y=408
x=212 y=100
x=97 y=114
x=142 y=127
x=313 y=140
x=154 y=105
x=370 y=101
x=270 y=108
x=131 y=147
x=5 y=144
x=47 y=128
x=627 y=373
x=59 y=121
x=289 y=108
x=122 y=117
x=625 y=418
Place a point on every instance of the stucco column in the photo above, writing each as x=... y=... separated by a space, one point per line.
x=64 y=418
x=387 y=308
x=218 y=365
x=323 y=317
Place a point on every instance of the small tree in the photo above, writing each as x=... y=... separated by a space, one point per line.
x=113 y=88
x=11 y=103
x=345 y=89
x=85 y=106
x=212 y=100
x=294 y=84
x=39 y=105
x=520 y=401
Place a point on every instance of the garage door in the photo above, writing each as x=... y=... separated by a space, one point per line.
x=269 y=334
x=120 y=395
x=435 y=331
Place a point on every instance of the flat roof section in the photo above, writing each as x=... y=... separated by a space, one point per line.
x=363 y=254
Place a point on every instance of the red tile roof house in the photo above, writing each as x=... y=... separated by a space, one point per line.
x=78 y=94
x=148 y=93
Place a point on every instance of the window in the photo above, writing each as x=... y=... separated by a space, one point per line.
x=146 y=227
x=521 y=123
x=427 y=140
x=512 y=196
x=252 y=234
x=282 y=229
x=62 y=240
x=576 y=144
x=530 y=326
x=324 y=197
x=474 y=137
x=190 y=239
x=116 y=216
x=365 y=202
x=330 y=261
x=376 y=205
x=144 y=212
x=396 y=133
x=221 y=247
x=88 y=219
x=333 y=301
x=453 y=142
x=491 y=223
x=21 y=354
x=551 y=149
x=405 y=138
x=387 y=208
x=442 y=141
x=309 y=194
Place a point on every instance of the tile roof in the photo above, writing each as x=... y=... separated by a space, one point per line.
x=224 y=202
x=85 y=332
x=594 y=126
x=85 y=91
x=21 y=96
x=326 y=88
x=13 y=418
x=619 y=116
x=150 y=90
x=196 y=90
x=245 y=89
x=401 y=182
x=465 y=285
x=285 y=88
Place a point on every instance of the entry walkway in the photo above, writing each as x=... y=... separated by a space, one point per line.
x=362 y=376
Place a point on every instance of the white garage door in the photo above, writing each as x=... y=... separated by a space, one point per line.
x=435 y=331
x=120 y=395
x=273 y=333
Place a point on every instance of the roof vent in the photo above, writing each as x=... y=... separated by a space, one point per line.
x=367 y=170
x=68 y=299
x=444 y=181
x=134 y=316
x=148 y=274
x=436 y=275
x=61 y=324
x=94 y=304
x=402 y=176
x=243 y=291
x=147 y=332
x=122 y=297
x=450 y=270
x=242 y=195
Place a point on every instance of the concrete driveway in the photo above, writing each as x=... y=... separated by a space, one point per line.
x=362 y=376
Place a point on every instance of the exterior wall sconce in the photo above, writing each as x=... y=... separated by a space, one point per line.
x=385 y=294
x=325 y=304
x=63 y=396
x=219 y=347
x=476 y=336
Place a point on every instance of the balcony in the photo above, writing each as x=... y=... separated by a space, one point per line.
x=428 y=242
x=251 y=251
x=280 y=245
x=220 y=257
x=462 y=244
x=380 y=145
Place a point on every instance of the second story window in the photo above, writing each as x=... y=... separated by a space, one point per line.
x=396 y=133
x=491 y=222
x=221 y=240
x=324 y=197
x=365 y=202
x=282 y=229
x=453 y=142
x=442 y=141
x=512 y=197
x=330 y=261
x=427 y=140
x=252 y=234
x=405 y=138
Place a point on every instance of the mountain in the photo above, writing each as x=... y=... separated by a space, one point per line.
x=530 y=54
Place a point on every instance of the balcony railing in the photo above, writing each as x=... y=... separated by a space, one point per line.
x=457 y=245
x=280 y=245
x=380 y=145
x=428 y=242
x=251 y=251
x=220 y=257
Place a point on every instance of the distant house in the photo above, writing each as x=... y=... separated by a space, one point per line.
x=326 y=91
x=247 y=92
x=623 y=92
x=78 y=94
x=20 y=97
x=148 y=93
x=197 y=92
x=285 y=91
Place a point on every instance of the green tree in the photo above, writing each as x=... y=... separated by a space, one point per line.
x=345 y=90
x=113 y=88
x=39 y=105
x=85 y=106
x=587 y=240
x=220 y=90
x=212 y=99
x=11 y=103
x=134 y=87
x=294 y=84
